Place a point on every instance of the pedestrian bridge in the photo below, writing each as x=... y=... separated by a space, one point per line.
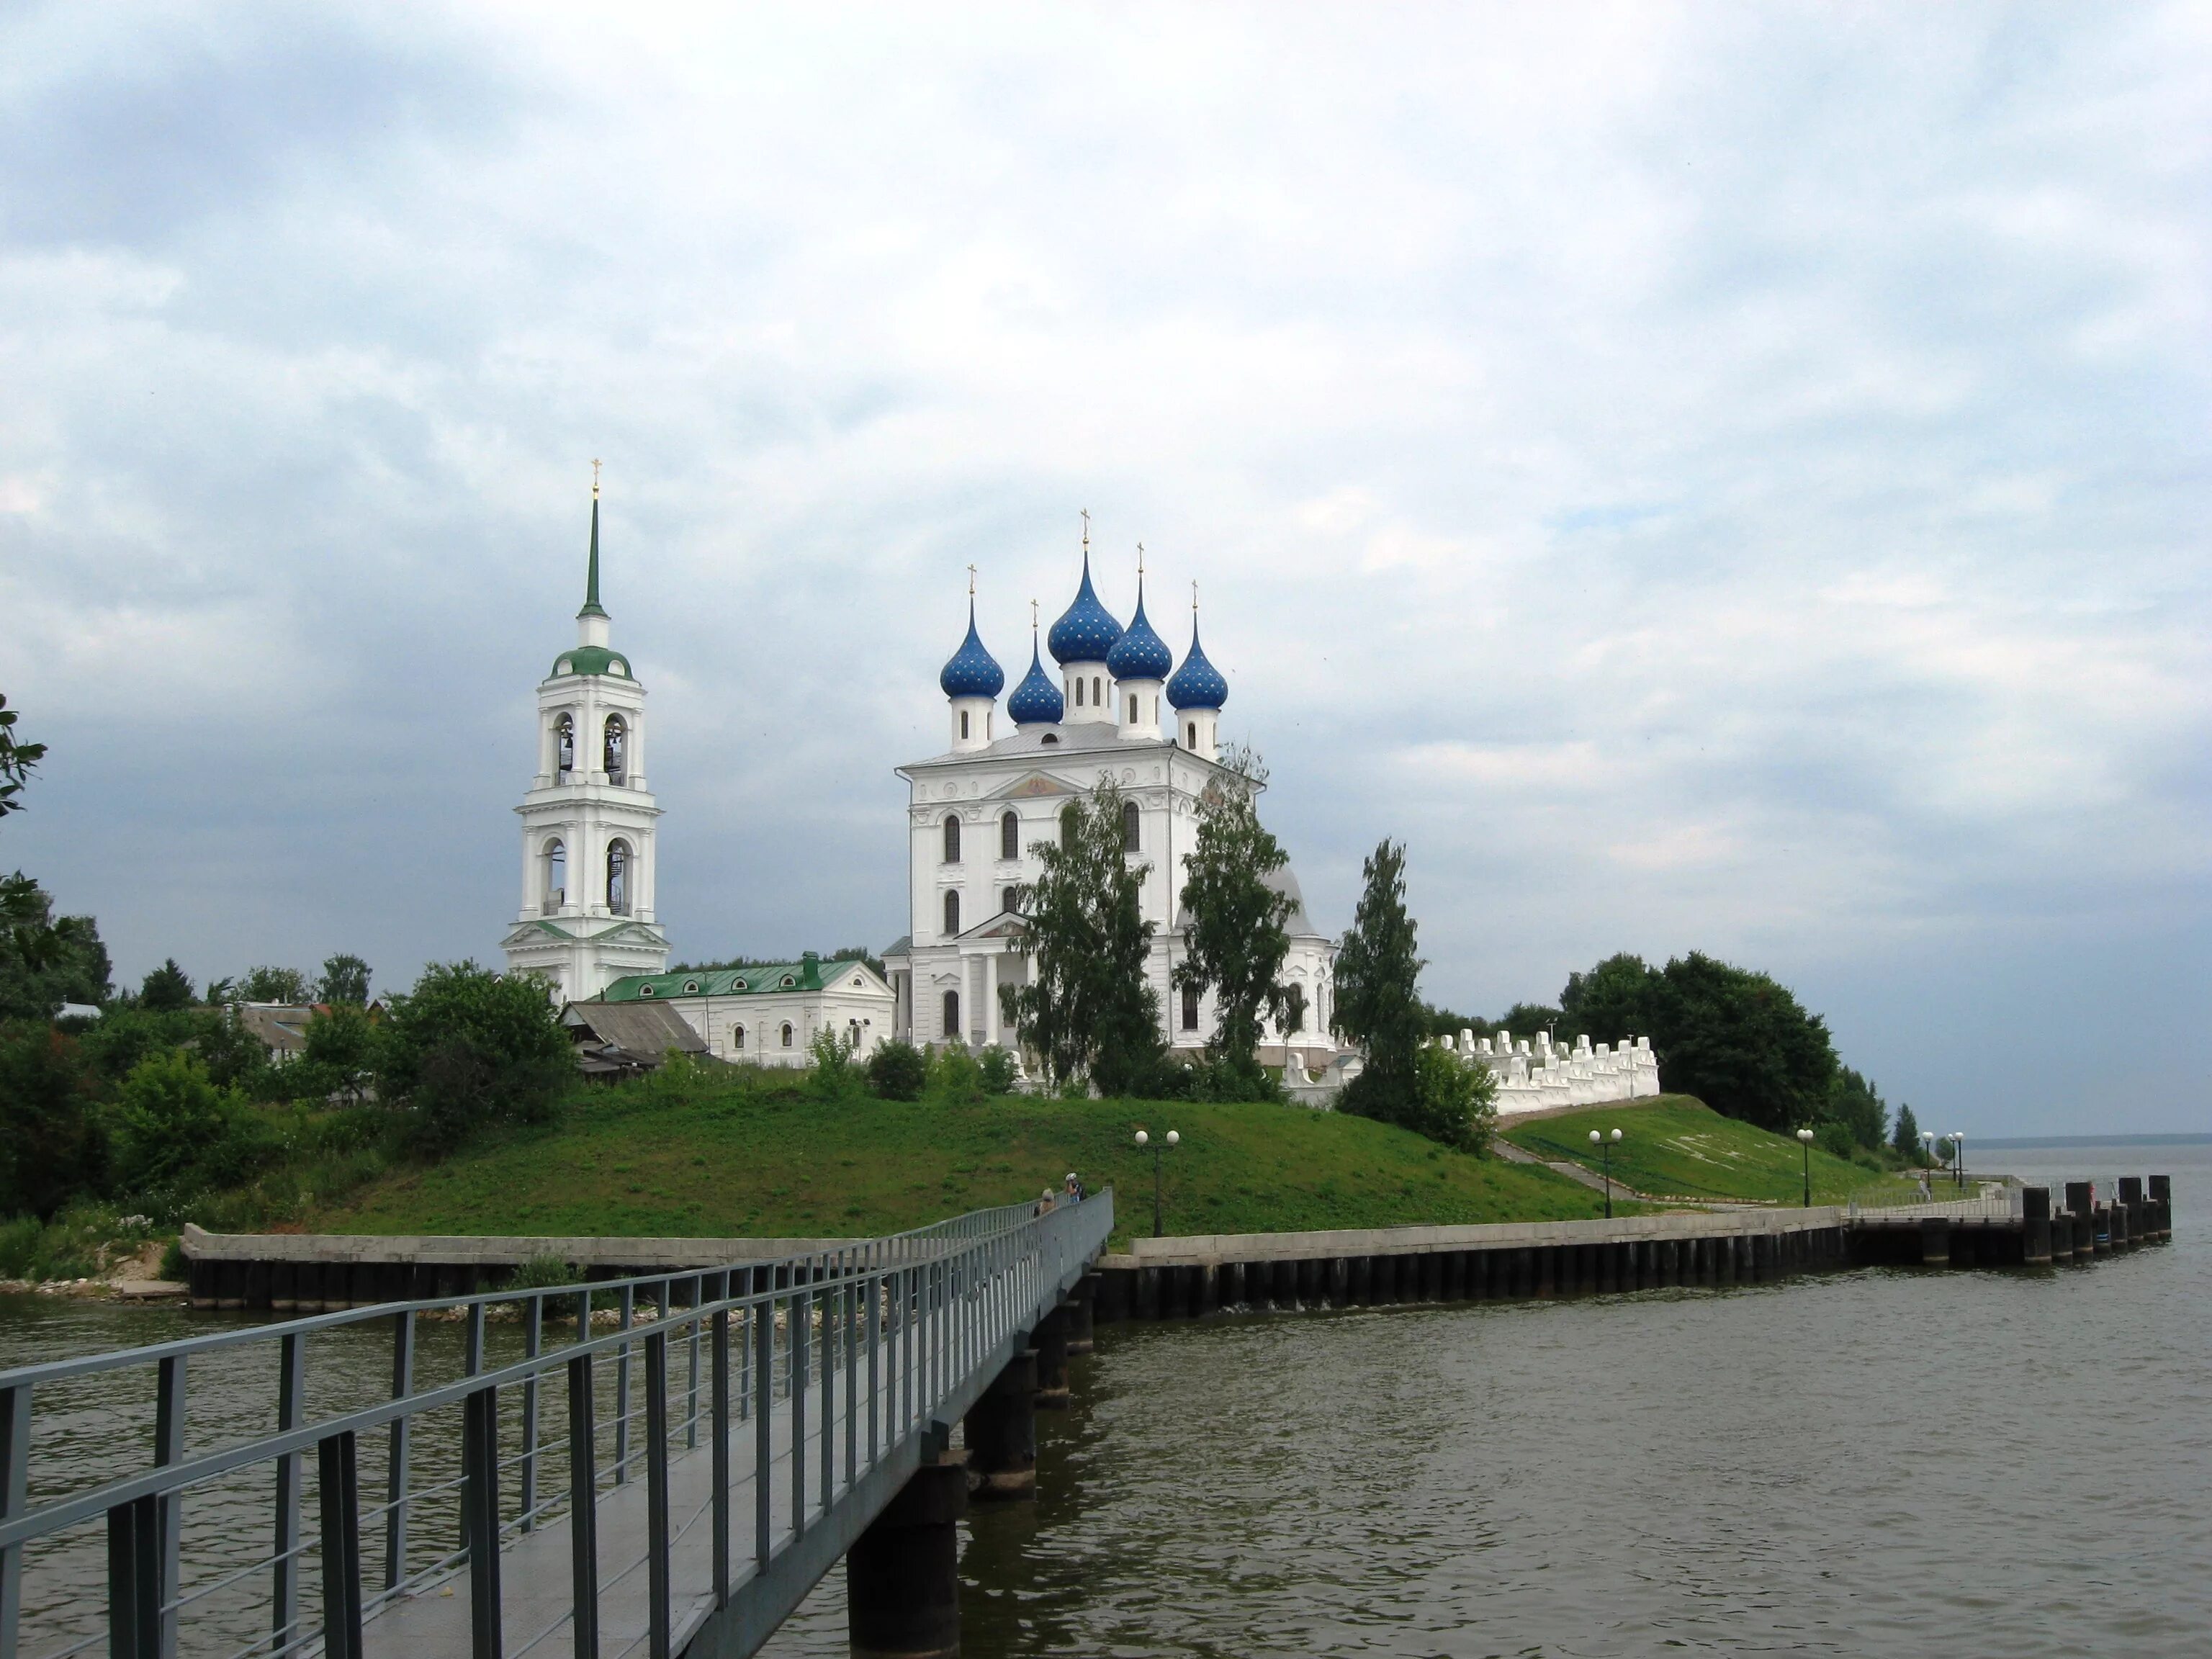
x=657 y=1465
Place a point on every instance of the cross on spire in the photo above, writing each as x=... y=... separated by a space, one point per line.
x=1193 y=596
x=1086 y=535
x=971 y=581
x=595 y=478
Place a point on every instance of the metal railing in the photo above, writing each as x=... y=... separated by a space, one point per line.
x=720 y=1435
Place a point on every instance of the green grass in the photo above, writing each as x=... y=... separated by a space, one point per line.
x=1676 y=1147
x=706 y=1156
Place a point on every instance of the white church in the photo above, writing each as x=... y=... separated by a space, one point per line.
x=1120 y=707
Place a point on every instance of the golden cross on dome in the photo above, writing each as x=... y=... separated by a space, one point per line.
x=1086 y=532
x=1194 y=596
x=971 y=581
x=1032 y=616
x=595 y=478
x=1140 y=561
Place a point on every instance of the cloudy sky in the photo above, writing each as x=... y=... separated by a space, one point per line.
x=1720 y=477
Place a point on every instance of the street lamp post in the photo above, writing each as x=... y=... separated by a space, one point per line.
x=1958 y=1159
x=1805 y=1140
x=1926 y=1147
x=1144 y=1140
x=1605 y=1147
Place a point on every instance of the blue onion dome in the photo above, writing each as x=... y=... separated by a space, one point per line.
x=973 y=671
x=1036 y=701
x=1140 y=653
x=1198 y=683
x=1087 y=631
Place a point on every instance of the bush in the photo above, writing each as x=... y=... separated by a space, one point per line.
x=898 y=1070
x=543 y=1272
x=998 y=1070
x=177 y=1134
x=833 y=1076
x=954 y=1074
x=467 y=1048
x=1836 y=1139
x=1452 y=1100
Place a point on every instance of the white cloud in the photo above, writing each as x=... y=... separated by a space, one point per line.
x=1708 y=480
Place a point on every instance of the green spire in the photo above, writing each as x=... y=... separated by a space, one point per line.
x=592 y=581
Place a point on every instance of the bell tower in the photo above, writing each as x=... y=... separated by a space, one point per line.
x=588 y=817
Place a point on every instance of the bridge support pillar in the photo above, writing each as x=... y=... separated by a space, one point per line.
x=1051 y=1340
x=1077 y=1309
x=1935 y=1243
x=1001 y=1433
x=902 y=1574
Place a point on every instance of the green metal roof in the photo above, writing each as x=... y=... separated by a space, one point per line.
x=809 y=974
x=590 y=660
x=592 y=581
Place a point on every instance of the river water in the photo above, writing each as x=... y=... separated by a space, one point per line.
x=1872 y=1462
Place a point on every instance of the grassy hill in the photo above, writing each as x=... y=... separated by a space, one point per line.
x=1676 y=1147
x=710 y=1156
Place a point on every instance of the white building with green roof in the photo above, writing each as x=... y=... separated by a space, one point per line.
x=587 y=819
x=770 y=1015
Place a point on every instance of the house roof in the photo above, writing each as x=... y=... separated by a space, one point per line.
x=644 y=1028
x=809 y=973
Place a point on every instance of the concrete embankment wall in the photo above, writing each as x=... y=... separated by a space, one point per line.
x=309 y=1272
x=1189 y=1277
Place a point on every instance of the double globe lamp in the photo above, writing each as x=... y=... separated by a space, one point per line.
x=1605 y=1144
x=1169 y=1140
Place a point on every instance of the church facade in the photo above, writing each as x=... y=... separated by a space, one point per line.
x=1118 y=707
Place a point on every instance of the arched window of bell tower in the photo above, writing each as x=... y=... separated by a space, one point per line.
x=616 y=747
x=564 y=745
x=952 y=839
x=618 y=877
x=1010 y=836
x=555 y=882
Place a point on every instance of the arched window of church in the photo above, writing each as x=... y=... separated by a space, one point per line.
x=1190 y=737
x=618 y=877
x=1190 y=1007
x=1067 y=821
x=556 y=876
x=1098 y=692
x=564 y=744
x=617 y=746
x=952 y=839
x=738 y=1037
x=787 y=1034
x=1079 y=691
x=1010 y=836
x=1007 y=898
x=964 y=723
x=1129 y=826
x=952 y=916
x=1295 y=1018
x=952 y=1015
x=1132 y=709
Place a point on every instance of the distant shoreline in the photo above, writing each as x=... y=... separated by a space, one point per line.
x=2029 y=1143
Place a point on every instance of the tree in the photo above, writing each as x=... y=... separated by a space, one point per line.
x=46 y=960
x=1858 y=1106
x=167 y=988
x=1089 y=1008
x=1378 y=1003
x=1611 y=1001
x=1906 y=1137
x=1741 y=1044
x=468 y=1048
x=286 y=985
x=52 y=1147
x=1236 y=941
x=340 y=1057
x=17 y=761
x=344 y=980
